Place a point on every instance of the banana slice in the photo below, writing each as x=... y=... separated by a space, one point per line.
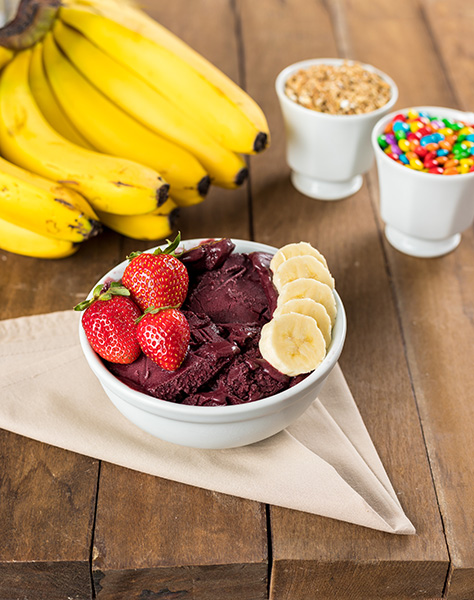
x=292 y=343
x=307 y=306
x=301 y=267
x=291 y=250
x=309 y=288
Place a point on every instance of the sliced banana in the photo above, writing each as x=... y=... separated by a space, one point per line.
x=310 y=308
x=291 y=250
x=309 y=288
x=301 y=267
x=292 y=343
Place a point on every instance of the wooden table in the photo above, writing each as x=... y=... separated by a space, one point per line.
x=74 y=528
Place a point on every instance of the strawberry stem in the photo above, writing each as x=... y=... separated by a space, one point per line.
x=170 y=248
x=115 y=289
x=152 y=310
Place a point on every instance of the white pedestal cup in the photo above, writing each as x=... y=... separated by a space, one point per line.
x=424 y=213
x=327 y=154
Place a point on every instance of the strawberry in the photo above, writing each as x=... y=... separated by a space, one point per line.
x=109 y=322
x=163 y=335
x=158 y=279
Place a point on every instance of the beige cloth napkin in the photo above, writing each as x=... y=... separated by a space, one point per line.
x=325 y=463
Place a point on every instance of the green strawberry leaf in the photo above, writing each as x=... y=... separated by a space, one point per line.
x=171 y=247
x=115 y=289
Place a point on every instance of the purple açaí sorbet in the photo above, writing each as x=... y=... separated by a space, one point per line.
x=231 y=296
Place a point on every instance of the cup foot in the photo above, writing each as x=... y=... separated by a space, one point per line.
x=419 y=247
x=326 y=190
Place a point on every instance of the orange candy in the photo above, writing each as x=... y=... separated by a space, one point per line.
x=445 y=145
x=451 y=163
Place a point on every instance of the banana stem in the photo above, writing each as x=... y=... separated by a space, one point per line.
x=26 y=21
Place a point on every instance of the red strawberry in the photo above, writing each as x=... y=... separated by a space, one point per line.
x=109 y=322
x=163 y=335
x=157 y=280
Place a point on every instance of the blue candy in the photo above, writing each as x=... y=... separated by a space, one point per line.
x=426 y=139
x=442 y=152
x=404 y=159
x=400 y=125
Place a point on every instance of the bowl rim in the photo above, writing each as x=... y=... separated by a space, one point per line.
x=380 y=125
x=290 y=69
x=183 y=412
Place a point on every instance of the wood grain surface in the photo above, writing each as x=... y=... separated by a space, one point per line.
x=71 y=527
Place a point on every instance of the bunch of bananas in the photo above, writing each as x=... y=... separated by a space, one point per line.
x=108 y=118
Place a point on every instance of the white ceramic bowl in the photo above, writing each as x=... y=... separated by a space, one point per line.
x=216 y=426
x=424 y=214
x=328 y=154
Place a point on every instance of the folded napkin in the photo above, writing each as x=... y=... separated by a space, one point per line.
x=325 y=463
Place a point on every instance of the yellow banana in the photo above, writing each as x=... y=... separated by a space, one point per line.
x=63 y=194
x=157 y=225
x=47 y=102
x=108 y=183
x=5 y=56
x=28 y=243
x=188 y=196
x=38 y=210
x=130 y=15
x=109 y=129
x=172 y=77
x=149 y=107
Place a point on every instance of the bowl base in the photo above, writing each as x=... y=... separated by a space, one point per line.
x=421 y=248
x=325 y=190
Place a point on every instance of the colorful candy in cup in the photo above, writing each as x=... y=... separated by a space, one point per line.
x=429 y=144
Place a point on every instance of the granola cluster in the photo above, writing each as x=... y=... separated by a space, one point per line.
x=345 y=89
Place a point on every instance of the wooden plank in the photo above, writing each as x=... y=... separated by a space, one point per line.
x=437 y=320
x=47 y=497
x=157 y=538
x=315 y=557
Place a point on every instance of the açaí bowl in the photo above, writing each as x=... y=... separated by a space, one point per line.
x=216 y=427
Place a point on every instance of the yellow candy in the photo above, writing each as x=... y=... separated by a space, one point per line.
x=412 y=114
x=446 y=131
x=468 y=143
x=415 y=126
x=404 y=145
x=466 y=131
x=416 y=164
x=463 y=169
x=466 y=161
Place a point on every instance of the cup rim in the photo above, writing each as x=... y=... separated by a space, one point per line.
x=183 y=412
x=380 y=125
x=290 y=69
